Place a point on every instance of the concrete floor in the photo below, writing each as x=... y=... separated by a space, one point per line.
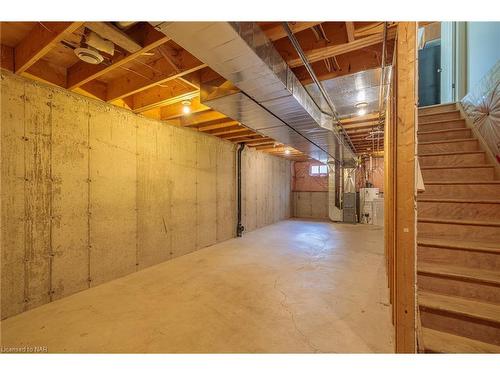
x=295 y=286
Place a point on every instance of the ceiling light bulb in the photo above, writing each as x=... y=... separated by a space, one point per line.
x=287 y=152
x=362 y=111
x=186 y=107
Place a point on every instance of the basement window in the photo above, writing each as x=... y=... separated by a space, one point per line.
x=318 y=170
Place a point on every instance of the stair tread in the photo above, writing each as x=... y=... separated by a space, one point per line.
x=491 y=247
x=442 y=131
x=463 y=273
x=459 y=200
x=470 y=308
x=436 y=105
x=461 y=182
x=461 y=166
x=442 y=342
x=439 y=113
x=439 y=121
x=453 y=153
x=488 y=223
x=447 y=141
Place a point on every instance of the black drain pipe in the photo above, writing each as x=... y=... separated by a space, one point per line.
x=239 y=227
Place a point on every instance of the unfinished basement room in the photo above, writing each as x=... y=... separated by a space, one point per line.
x=250 y=187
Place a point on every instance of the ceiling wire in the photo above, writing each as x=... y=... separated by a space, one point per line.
x=45 y=27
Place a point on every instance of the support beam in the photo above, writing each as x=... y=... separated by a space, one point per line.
x=405 y=187
x=374 y=28
x=225 y=124
x=247 y=134
x=322 y=53
x=348 y=63
x=261 y=142
x=277 y=32
x=160 y=96
x=362 y=125
x=358 y=119
x=200 y=119
x=349 y=27
x=226 y=131
x=81 y=73
x=160 y=71
x=40 y=41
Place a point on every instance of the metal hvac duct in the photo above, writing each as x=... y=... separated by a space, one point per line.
x=259 y=89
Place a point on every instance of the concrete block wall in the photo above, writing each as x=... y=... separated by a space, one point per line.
x=92 y=192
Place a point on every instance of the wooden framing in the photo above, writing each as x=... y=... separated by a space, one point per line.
x=322 y=53
x=148 y=71
x=349 y=26
x=81 y=73
x=278 y=32
x=400 y=193
x=39 y=42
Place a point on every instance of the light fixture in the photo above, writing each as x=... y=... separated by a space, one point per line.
x=361 y=108
x=186 y=107
x=287 y=152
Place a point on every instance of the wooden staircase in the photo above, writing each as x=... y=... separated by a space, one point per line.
x=458 y=237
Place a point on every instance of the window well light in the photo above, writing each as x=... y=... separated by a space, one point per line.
x=186 y=107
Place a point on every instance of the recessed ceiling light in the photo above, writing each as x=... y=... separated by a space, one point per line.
x=361 y=105
x=361 y=108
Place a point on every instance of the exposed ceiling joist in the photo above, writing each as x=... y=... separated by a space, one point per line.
x=160 y=72
x=200 y=119
x=81 y=73
x=225 y=124
x=322 y=53
x=247 y=134
x=159 y=96
x=40 y=40
x=277 y=32
x=375 y=28
x=266 y=141
x=349 y=26
x=225 y=131
x=365 y=125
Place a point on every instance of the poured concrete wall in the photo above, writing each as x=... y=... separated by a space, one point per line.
x=265 y=189
x=92 y=192
x=310 y=204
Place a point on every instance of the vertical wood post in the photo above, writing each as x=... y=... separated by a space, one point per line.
x=405 y=188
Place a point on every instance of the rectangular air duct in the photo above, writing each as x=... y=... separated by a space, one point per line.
x=259 y=89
